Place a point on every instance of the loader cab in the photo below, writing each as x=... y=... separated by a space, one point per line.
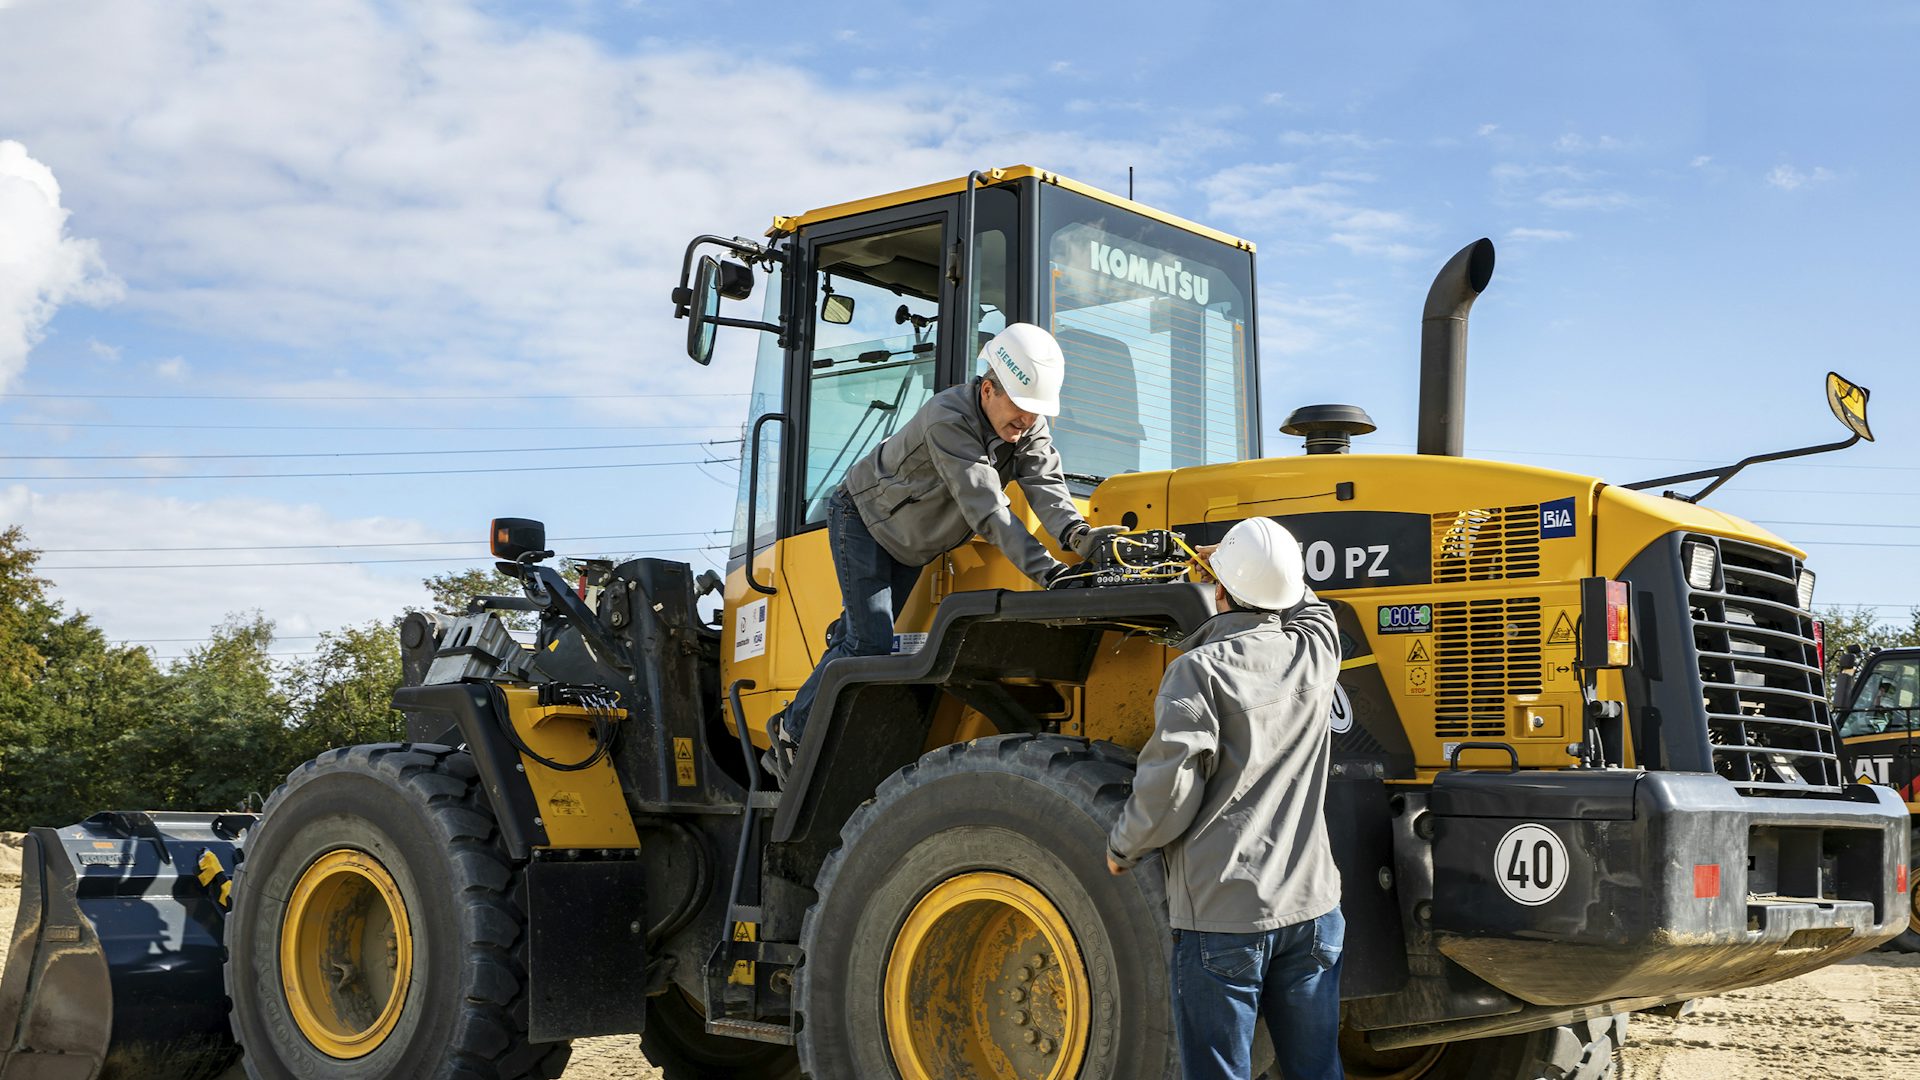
x=1880 y=723
x=870 y=308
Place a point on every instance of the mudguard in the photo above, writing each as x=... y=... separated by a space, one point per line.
x=114 y=968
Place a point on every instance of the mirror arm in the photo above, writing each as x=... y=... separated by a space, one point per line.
x=748 y=324
x=1724 y=473
x=739 y=245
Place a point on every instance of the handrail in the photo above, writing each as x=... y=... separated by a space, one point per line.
x=753 y=498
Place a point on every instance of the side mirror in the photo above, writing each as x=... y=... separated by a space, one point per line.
x=836 y=308
x=1849 y=404
x=704 y=309
x=511 y=538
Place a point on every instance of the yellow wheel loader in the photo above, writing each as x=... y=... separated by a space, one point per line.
x=1877 y=711
x=1582 y=764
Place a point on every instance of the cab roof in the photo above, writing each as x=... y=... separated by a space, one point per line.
x=784 y=225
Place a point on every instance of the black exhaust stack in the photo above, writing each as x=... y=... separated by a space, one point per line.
x=1443 y=348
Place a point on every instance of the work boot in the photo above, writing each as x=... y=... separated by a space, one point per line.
x=778 y=758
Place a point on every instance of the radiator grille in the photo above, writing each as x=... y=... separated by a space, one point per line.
x=1489 y=544
x=1485 y=651
x=1759 y=672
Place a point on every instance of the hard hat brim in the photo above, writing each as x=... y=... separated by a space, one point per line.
x=1028 y=403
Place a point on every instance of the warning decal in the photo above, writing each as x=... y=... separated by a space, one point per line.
x=750 y=631
x=1417 y=682
x=1530 y=863
x=683 y=773
x=1417 y=652
x=1562 y=632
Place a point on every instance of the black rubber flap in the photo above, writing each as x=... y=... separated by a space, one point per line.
x=586 y=948
x=1565 y=795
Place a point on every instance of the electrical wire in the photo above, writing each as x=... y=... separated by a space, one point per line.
x=400 y=544
x=507 y=397
x=356 y=453
x=348 y=427
x=333 y=562
x=385 y=472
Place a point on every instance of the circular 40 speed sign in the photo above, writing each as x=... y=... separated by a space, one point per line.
x=1530 y=863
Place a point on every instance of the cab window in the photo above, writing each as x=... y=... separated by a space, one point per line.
x=876 y=321
x=1888 y=699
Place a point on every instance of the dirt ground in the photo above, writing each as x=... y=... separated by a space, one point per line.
x=1854 y=1021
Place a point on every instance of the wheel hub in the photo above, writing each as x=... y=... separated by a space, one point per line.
x=985 y=981
x=346 y=954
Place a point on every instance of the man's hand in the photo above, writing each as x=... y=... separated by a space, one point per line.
x=1087 y=541
x=1113 y=865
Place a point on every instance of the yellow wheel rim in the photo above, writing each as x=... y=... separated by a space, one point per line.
x=346 y=954
x=1363 y=1062
x=985 y=981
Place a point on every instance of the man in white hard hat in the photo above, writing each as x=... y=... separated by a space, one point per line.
x=1231 y=790
x=936 y=482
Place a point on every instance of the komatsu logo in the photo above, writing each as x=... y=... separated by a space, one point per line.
x=1147 y=273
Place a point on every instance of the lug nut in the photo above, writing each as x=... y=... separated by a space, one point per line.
x=1046 y=1046
x=1030 y=1036
x=1019 y=1018
x=1024 y=975
x=1039 y=960
x=1017 y=995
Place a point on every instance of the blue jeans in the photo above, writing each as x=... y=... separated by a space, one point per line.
x=1222 y=983
x=874 y=586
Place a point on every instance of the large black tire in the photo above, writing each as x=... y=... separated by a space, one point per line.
x=1035 y=808
x=677 y=1043
x=1588 y=1050
x=418 y=810
x=1909 y=939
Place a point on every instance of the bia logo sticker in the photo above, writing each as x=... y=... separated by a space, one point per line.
x=1340 y=717
x=1556 y=519
x=1530 y=863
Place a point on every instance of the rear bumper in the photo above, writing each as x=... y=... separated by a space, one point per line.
x=1675 y=885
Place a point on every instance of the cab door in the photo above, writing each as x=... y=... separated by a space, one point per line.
x=868 y=298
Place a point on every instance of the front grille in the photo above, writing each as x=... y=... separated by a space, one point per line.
x=1759 y=672
x=1484 y=652
x=1487 y=544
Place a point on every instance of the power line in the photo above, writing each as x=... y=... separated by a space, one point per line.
x=377 y=397
x=346 y=427
x=356 y=453
x=391 y=472
x=334 y=562
x=401 y=544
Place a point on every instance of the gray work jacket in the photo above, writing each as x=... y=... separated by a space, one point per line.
x=942 y=478
x=1232 y=786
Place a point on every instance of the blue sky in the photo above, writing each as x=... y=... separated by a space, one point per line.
x=358 y=228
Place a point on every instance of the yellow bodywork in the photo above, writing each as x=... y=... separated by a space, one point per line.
x=580 y=809
x=1459 y=501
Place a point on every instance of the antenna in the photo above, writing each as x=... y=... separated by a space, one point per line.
x=1129 y=182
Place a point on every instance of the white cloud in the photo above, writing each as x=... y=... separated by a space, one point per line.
x=1264 y=198
x=41 y=266
x=1557 y=187
x=171 y=368
x=104 y=351
x=1523 y=234
x=1351 y=140
x=1484 y=130
x=1700 y=161
x=146 y=604
x=1576 y=143
x=1788 y=178
x=431 y=182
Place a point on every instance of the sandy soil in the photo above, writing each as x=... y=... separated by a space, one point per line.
x=1854 y=1021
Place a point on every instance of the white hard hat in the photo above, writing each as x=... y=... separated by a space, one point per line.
x=1259 y=563
x=1029 y=366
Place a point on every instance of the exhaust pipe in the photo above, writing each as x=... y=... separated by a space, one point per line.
x=1443 y=348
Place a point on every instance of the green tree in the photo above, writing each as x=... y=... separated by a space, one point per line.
x=343 y=694
x=1843 y=627
x=66 y=697
x=450 y=592
x=220 y=733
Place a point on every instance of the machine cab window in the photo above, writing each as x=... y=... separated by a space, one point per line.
x=1888 y=699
